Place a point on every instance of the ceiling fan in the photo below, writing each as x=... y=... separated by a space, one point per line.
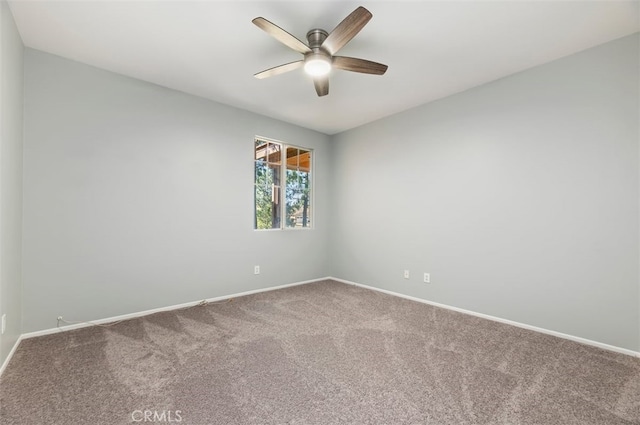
x=319 y=54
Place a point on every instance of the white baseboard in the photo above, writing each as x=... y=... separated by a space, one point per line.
x=498 y=319
x=13 y=350
x=273 y=288
x=161 y=309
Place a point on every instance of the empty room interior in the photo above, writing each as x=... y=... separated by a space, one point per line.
x=320 y=212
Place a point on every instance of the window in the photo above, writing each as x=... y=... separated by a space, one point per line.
x=282 y=185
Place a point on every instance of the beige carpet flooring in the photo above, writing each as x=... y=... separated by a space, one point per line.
x=322 y=353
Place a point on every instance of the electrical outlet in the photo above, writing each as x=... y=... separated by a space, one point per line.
x=256 y=269
x=427 y=278
x=4 y=323
x=406 y=274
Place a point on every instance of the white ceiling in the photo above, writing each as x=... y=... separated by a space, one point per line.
x=211 y=49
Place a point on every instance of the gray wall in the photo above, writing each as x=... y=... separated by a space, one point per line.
x=11 y=123
x=520 y=197
x=138 y=197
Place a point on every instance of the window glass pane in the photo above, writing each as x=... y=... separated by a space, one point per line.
x=273 y=153
x=261 y=150
x=292 y=158
x=298 y=188
x=267 y=185
x=305 y=161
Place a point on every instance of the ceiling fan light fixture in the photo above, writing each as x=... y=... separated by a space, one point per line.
x=317 y=65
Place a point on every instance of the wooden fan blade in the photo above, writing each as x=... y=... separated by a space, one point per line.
x=280 y=69
x=346 y=30
x=322 y=85
x=359 y=65
x=281 y=35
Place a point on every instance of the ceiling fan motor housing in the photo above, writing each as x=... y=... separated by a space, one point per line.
x=316 y=37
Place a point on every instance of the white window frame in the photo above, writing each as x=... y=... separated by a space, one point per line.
x=283 y=178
